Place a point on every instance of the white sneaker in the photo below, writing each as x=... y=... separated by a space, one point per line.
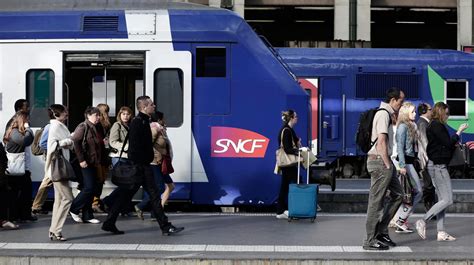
x=283 y=215
x=443 y=236
x=421 y=228
x=402 y=227
x=76 y=217
x=92 y=221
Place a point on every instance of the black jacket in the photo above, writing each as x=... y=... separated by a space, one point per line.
x=140 y=147
x=440 y=144
x=289 y=137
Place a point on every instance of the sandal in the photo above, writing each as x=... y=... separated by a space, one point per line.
x=58 y=237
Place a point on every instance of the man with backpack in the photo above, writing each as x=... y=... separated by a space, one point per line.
x=383 y=174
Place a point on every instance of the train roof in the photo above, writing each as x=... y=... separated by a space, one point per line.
x=103 y=19
x=78 y=5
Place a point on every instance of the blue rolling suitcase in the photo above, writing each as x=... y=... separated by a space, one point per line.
x=302 y=199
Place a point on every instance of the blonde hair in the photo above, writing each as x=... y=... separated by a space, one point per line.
x=18 y=122
x=104 y=115
x=404 y=117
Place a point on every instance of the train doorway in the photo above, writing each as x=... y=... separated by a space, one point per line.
x=90 y=78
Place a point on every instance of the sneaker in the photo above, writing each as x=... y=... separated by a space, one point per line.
x=7 y=225
x=92 y=221
x=139 y=213
x=172 y=230
x=375 y=246
x=386 y=240
x=421 y=228
x=402 y=227
x=443 y=236
x=76 y=217
x=283 y=215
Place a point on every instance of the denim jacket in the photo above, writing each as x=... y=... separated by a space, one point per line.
x=405 y=144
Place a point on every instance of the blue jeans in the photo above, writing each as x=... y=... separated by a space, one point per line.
x=159 y=182
x=84 y=199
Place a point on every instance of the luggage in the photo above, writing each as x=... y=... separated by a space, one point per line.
x=302 y=199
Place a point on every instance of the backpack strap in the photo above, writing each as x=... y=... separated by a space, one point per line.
x=389 y=123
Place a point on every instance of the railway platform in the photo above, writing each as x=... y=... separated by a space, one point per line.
x=234 y=238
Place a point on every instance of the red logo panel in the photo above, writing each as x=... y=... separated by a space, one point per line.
x=235 y=142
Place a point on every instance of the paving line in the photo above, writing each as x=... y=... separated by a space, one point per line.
x=194 y=248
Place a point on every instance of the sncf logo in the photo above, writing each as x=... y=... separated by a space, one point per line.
x=235 y=142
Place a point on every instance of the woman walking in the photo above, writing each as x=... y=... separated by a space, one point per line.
x=440 y=151
x=17 y=137
x=59 y=137
x=88 y=147
x=407 y=139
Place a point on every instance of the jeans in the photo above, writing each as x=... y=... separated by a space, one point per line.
x=379 y=210
x=405 y=210
x=85 y=197
x=159 y=182
x=145 y=178
x=429 y=192
x=442 y=183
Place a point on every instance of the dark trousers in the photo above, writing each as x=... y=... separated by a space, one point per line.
x=145 y=178
x=159 y=182
x=6 y=200
x=21 y=191
x=288 y=176
x=83 y=200
x=429 y=193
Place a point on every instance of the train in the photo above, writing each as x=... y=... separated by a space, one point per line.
x=343 y=83
x=221 y=87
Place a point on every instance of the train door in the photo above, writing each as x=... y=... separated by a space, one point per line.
x=90 y=78
x=332 y=117
x=168 y=83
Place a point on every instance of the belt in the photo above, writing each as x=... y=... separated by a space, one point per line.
x=373 y=157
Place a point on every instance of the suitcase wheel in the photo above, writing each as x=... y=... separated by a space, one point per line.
x=289 y=219
x=312 y=220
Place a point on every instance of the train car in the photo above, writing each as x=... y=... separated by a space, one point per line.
x=220 y=87
x=345 y=82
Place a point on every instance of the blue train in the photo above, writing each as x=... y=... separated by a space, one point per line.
x=220 y=86
x=345 y=82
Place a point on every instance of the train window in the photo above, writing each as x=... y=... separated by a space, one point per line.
x=168 y=96
x=456 y=97
x=210 y=62
x=40 y=95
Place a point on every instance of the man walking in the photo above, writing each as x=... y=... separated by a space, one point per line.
x=429 y=195
x=383 y=175
x=140 y=153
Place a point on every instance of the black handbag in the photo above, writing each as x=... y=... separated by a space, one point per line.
x=123 y=172
x=458 y=158
x=61 y=169
x=407 y=187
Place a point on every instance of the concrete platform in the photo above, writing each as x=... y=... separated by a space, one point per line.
x=234 y=239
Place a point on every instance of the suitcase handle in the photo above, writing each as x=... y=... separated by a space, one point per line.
x=299 y=165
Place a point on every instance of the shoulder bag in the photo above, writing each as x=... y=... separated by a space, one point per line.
x=16 y=164
x=283 y=159
x=458 y=158
x=61 y=169
x=123 y=172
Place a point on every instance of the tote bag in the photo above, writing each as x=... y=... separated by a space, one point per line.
x=16 y=164
x=61 y=169
x=283 y=159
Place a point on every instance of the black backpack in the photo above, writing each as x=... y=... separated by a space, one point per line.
x=364 y=130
